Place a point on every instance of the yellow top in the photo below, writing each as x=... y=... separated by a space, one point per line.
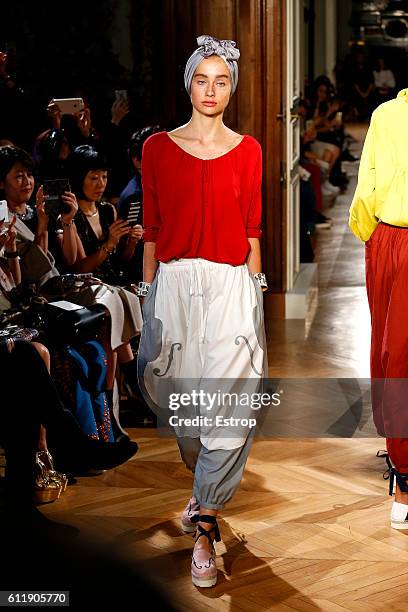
x=382 y=188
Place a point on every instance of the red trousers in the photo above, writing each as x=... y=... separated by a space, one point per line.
x=387 y=290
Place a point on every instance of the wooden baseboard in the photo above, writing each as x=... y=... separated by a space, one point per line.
x=274 y=306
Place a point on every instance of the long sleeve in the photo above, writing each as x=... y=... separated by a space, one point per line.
x=151 y=213
x=362 y=220
x=253 y=229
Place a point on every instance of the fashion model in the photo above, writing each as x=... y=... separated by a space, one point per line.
x=379 y=217
x=203 y=310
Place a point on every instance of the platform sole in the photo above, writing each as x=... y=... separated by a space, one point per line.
x=396 y=525
x=204 y=582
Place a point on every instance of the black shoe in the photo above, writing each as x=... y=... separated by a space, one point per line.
x=130 y=382
x=136 y=413
x=97 y=455
x=339 y=181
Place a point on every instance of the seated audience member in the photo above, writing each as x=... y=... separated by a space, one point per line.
x=362 y=87
x=110 y=138
x=38 y=264
x=34 y=239
x=321 y=159
x=131 y=199
x=327 y=121
x=50 y=154
x=25 y=408
x=78 y=128
x=98 y=232
x=48 y=483
x=384 y=82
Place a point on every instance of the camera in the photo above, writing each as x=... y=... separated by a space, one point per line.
x=53 y=190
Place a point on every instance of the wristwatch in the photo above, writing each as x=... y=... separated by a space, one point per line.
x=261 y=279
x=142 y=289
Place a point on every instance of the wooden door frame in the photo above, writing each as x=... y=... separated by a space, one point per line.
x=274 y=48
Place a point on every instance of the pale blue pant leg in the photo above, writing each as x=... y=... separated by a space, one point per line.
x=217 y=473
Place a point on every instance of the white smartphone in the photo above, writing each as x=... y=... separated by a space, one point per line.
x=69 y=106
x=309 y=124
x=121 y=95
x=4 y=216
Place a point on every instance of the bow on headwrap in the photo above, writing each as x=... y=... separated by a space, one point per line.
x=208 y=45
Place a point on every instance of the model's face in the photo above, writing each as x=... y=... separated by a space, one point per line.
x=18 y=185
x=95 y=184
x=211 y=86
x=322 y=92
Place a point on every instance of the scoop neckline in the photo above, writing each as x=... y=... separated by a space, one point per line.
x=203 y=158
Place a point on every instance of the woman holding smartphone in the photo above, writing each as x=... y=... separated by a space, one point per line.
x=98 y=235
x=203 y=312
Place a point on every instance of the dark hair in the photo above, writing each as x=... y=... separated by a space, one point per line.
x=82 y=160
x=48 y=145
x=11 y=155
x=138 y=138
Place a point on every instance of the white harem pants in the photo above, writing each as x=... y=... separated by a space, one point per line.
x=203 y=328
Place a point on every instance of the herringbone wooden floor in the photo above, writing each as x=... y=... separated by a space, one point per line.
x=309 y=527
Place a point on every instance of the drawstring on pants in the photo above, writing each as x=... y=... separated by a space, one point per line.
x=196 y=291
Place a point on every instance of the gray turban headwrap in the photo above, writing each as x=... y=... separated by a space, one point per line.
x=208 y=45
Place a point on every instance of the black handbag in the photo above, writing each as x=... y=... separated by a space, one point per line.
x=63 y=327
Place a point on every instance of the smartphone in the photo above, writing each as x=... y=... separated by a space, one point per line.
x=4 y=216
x=339 y=117
x=53 y=189
x=309 y=124
x=121 y=95
x=134 y=213
x=69 y=106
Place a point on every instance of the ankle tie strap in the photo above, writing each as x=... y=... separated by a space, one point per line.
x=401 y=480
x=207 y=518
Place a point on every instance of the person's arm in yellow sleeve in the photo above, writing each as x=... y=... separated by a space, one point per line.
x=362 y=220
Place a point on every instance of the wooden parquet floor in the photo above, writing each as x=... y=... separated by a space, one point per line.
x=309 y=526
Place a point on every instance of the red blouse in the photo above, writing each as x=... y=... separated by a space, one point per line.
x=201 y=208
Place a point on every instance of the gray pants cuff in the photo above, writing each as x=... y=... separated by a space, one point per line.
x=208 y=505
